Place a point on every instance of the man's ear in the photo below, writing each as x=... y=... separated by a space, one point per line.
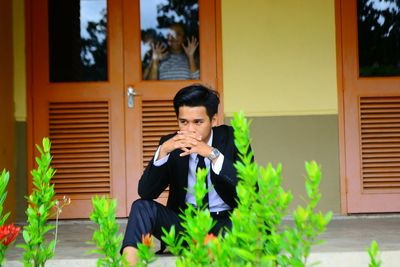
x=214 y=120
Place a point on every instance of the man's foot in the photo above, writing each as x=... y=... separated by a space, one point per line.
x=130 y=255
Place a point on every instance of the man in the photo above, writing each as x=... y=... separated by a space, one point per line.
x=174 y=165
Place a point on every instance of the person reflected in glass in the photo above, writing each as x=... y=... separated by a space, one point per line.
x=175 y=61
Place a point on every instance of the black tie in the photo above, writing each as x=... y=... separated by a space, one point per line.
x=202 y=164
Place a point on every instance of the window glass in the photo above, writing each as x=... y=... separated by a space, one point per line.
x=379 y=37
x=78 y=40
x=169 y=40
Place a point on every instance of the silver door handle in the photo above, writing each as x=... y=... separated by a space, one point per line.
x=131 y=94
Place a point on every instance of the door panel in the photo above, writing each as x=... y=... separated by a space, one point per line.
x=83 y=120
x=371 y=125
x=102 y=138
x=154 y=97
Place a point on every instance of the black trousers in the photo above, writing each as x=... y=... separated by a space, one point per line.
x=148 y=216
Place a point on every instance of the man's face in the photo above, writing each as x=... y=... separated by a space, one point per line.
x=195 y=119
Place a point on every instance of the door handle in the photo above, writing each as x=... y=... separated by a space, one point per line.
x=131 y=93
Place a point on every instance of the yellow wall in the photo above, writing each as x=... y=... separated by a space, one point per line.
x=279 y=57
x=19 y=60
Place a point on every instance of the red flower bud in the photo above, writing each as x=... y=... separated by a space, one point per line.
x=209 y=238
x=147 y=240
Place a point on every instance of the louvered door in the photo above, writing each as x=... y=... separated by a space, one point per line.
x=371 y=106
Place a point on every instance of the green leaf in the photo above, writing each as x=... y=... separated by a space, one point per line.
x=244 y=254
x=26 y=236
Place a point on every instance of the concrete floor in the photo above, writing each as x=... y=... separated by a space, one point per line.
x=346 y=242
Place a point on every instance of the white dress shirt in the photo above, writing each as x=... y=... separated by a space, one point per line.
x=215 y=202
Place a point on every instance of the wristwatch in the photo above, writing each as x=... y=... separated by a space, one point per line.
x=214 y=154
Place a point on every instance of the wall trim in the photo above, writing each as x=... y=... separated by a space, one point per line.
x=339 y=71
x=287 y=113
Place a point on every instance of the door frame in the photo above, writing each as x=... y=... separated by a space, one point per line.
x=341 y=109
x=350 y=87
x=30 y=83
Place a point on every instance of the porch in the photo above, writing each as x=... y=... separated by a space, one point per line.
x=346 y=242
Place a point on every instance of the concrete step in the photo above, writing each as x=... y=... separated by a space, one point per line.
x=346 y=243
x=324 y=259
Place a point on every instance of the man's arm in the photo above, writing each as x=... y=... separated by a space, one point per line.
x=155 y=179
x=226 y=180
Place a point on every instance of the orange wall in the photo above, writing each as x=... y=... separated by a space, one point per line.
x=7 y=130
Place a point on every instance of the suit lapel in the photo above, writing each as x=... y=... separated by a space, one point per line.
x=219 y=140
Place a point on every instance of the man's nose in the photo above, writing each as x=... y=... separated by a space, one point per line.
x=190 y=127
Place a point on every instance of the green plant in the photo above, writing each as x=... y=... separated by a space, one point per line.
x=197 y=222
x=4 y=178
x=146 y=253
x=59 y=205
x=373 y=252
x=308 y=223
x=257 y=237
x=262 y=204
x=36 y=250
x=105 y=238
x=8 y=233
x=107 y=241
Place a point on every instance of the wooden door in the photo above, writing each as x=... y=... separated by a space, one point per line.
x=80 y=112
x=371 y=105
x=101 y=137
x=152 y=115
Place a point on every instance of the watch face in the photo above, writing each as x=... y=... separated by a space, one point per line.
x=214 y=154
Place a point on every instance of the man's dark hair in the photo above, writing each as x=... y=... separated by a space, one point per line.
x=197 y=95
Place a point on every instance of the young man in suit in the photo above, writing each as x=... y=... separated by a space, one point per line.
x=198 y=141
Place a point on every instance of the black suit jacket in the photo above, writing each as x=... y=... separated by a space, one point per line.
x=175 y=173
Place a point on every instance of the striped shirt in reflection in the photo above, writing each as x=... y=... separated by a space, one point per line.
x=176 y=67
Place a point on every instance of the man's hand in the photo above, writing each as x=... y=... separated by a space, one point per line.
x=188 y=142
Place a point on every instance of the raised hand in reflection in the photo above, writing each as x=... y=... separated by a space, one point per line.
x=159 y=51
x=191 y=47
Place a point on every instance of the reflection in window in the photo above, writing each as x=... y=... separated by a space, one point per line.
x=170 y=39
x=78 y=40
x=379 y=37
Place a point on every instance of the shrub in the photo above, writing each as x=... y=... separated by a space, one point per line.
x=36 y=249
x=257 y=237
x=105 y=238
